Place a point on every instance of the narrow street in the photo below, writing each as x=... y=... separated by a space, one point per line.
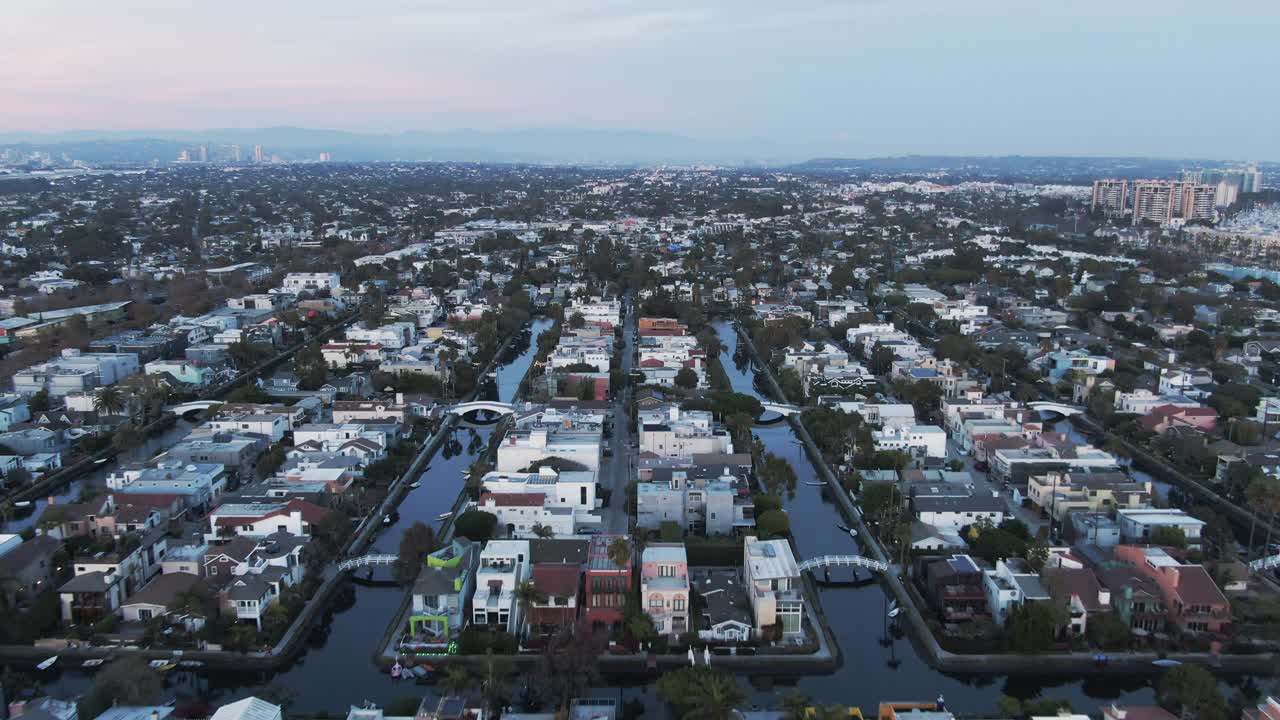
x=615 y=470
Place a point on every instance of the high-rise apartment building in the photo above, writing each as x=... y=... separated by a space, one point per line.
x=1111 y=196
x=1243 y=180
x=1159 y=201
x=1162 y=201
x=325 y=157
x=258 y=155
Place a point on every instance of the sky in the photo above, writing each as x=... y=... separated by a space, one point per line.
x=1169 y=78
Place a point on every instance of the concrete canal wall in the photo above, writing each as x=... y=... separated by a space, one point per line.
x=922 y=636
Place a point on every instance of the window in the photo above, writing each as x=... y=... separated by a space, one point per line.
x=656 y=602
x=666 y=571
x=677 y=604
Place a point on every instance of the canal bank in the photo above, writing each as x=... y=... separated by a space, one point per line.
x=1058 y=664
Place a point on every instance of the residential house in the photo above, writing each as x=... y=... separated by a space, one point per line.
x=27 y=569
x=774 y=589
x=1009 y=585
x=664 y=587
x=441 y=592
x=1192 y=599
x=1138 y=525
x=954 y=586
x=607 y=585
x=259 y=519
x=1059 y=493
x=504 y=566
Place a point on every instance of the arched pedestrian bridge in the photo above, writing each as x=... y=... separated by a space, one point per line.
x=1060 y=408
x=366 y=561
x=853 y=561
x=493 y=406
x=193 y=406
x=780 y=408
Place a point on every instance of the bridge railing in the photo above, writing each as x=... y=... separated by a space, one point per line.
x=364 y=560
x=843 y=561
x=1266 y=563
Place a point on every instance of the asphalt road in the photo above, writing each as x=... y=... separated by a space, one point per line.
x=616 y=468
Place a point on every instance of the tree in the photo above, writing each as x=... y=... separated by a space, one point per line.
x=772 y=524
x=475 y=525
x=701 y=693
x=670 y=531
x=570 y=665
x=687 y=379
x=1170 y=535
x=39 y=402
x=881 y=360
x=127 y=681
x=1108 y=631
x=877 y=497
x=109 y=400
x=416 y=543
x=528 y=595
x=456 y=681
x=543 y=531
x=128 y=437
x=777 y=474
x=1191 y=689
x=795 y=704
x=270 y=461
x=1031 y=627
x=620 y=551
x=576 y=321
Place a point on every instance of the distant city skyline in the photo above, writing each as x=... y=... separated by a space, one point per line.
x=808 y=78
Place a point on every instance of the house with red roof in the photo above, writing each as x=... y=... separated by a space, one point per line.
x=296 y=517
x=1165 y=417
x=1194 y=602
x=525 y=515
x=556 y=605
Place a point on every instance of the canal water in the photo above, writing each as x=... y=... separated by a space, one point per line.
x=870 y=671
x=336 y=669
x=97 y=478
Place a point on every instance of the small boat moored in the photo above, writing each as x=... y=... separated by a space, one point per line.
x=95 y=662
x=1166 y=663
x=415 y=484
x=48 y=663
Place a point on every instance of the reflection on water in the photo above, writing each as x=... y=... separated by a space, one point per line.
x=871 y=671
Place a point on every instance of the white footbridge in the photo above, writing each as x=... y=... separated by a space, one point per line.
x=366 y=561
x=1060 y=408
x=192 y=406
x=492 y=406
x=854 y=561
x=1267 y=563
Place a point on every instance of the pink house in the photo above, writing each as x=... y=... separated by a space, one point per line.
x=664 y=587
x=1164 y=417
x=1194 y=601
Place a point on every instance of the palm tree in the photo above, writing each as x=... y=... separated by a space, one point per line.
x=716 y=697
x=543 y=531
x=456 y=680
x=526 y=596
x=620 y=551
x=109 y=400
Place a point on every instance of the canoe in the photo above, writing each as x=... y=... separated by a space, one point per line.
x=46 y=664
x=92 y=663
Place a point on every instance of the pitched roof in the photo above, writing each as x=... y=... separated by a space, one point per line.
x=163 y=589
x=557 y=579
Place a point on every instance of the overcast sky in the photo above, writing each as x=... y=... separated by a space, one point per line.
x=852 y=77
